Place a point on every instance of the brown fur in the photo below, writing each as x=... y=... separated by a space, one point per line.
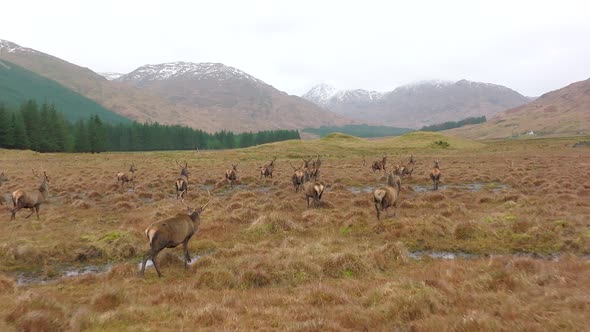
x=314 y=190
x=181 y=183
x=231 y=175
x=266 y=170
x=30 y=200
x=298 y=178
x=385 y=197
x=435 y=175
x=171 y=232
x=379 y=165
x=127 y=177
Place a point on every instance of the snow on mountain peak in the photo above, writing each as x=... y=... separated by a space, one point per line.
x=323 y=94
x=11 y=47
x=110 y=75
x=190 y=70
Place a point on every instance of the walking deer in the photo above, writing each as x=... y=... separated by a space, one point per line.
x=435 y=175
x=385 y=197
x=30 y=199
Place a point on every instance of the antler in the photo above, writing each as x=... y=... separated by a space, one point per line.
x=177 y=163
x=204 y=206
x=35 y=173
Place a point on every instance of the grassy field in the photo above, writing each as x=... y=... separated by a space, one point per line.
x=513 y=213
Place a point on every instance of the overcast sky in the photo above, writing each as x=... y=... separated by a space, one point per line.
x=529 y=46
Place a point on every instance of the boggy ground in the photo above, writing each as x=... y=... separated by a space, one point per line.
x=266 y=262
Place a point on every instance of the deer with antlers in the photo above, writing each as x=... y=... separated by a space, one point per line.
x=231 y=175
x=435 y=175
x=181 y=183
x=171 y=232
x=124 y=178
x=386 y=197
x=266 y=170
x=30 y=199
x=379 y=165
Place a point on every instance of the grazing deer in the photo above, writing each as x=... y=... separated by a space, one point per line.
x=127 y=177
x=435 y=174
x=409 y=168
x=314 y=190
x=385 y=197
x=298 y=178
x=30 y=200
x=181 y=183
x=379 y=165
x=266 y=170
x=231 y=175
x=171 y=232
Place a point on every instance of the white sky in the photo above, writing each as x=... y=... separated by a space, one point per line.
x=529 y=46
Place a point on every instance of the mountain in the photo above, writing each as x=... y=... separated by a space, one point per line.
x=418 y=104
x=561 y=112
x=229 y=95
x=222 y=105
x=17 y=85
x=110 y=75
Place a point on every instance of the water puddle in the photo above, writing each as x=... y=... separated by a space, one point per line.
x=470 y=187
x=33 y=278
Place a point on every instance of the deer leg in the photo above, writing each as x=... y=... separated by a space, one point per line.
x=156 y=264
x=145 y=259
x=13 y=211
x=307 y=201
x=187 y=257
x=378 y=211
x=30 y=214
x=37 y=211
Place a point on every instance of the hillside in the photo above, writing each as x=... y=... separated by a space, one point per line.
x=236 y=99
x=210 y=105
x=419 y=104
x=561 y=112
x=17 y=85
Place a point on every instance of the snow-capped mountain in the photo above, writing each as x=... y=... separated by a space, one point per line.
x=187 y=70
x=10 y=47
x=420 y=103
x=110 y=75
x=229 y=95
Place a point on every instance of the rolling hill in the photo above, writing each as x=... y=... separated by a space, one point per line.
x=17 y=85
x=562 y=112
x=211 y=105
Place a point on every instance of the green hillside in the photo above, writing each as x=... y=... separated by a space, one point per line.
x=17 y=85
x=362 y=130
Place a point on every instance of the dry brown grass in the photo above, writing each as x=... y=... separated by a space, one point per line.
x=265 y=260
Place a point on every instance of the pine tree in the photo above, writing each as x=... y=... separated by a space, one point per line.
x=21 y=140
x=81 y=143
x=6 y=134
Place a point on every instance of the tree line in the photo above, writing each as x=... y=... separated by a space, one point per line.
x=43 y=128
x=455 y=124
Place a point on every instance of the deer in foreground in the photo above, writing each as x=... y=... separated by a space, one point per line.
x=32 y=199
x=298 y=178
x=314 y=190
x=181 y=183
x=385 y=197
x=127 y=177
x=266 y=170
x=231 y=175
x=435 y=174
x=379 y=165
x=171 y=232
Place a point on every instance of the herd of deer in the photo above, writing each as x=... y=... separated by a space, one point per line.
x=171 y=232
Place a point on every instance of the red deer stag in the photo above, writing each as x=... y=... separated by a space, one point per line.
x=379 y=165
x=181 y=183
x=30 y=200
x=314 y=190
x=171 y=232
x=127 y=177
x=267 y=170
x=385 y=197
x=298 y=178
x=435 y=174
x=231 y=175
